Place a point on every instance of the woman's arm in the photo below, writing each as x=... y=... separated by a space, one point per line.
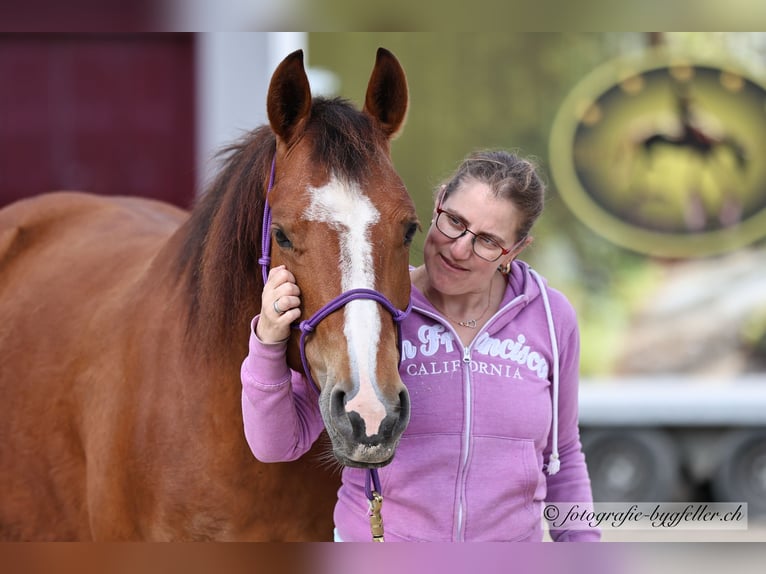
x=279 y=408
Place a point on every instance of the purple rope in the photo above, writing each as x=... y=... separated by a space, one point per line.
x=348 y=296
x=265 y=259
x=341 y=300
x=372 y=480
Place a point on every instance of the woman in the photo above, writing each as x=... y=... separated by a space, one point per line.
x=490 y=357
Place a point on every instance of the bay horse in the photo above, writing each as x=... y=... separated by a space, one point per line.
x=124 y=323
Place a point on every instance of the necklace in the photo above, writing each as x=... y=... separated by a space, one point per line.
x=471 y=323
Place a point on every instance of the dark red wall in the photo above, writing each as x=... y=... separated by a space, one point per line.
x=109 y=114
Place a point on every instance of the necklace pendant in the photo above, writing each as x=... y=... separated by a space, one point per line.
x=470 y=324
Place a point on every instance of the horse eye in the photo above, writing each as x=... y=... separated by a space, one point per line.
x=409 y=235
x=282 y=240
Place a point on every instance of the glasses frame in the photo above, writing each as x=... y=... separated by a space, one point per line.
x=503 y=250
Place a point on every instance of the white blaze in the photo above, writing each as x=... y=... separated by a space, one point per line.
x=345 y=209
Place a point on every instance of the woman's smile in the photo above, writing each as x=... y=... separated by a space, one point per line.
x=450 y=265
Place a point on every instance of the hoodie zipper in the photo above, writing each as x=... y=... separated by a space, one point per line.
x=467 y=394
x=466 y=440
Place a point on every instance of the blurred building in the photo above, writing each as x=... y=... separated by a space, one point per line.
x=128 y=114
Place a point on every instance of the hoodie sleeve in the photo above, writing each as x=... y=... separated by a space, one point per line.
x=279 y=408
x=571 y=483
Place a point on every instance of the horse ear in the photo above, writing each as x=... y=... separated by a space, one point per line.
x=288 y=103
x=387 y=98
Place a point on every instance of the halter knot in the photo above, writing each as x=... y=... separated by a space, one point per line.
x=264 y=261
x=306 y=326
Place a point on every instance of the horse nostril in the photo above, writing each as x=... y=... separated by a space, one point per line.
x=404 y=402
x=338 y=403
x=404 y=409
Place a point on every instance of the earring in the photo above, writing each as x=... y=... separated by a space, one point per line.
x=505 y=269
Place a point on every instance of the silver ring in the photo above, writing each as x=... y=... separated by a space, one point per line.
x=277 y=310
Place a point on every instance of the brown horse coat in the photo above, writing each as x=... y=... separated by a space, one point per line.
x=123 y=324
x=107 y=432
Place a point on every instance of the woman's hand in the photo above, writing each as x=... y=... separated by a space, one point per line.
x=280 y=306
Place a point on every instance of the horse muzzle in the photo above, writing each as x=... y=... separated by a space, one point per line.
x=365 y=434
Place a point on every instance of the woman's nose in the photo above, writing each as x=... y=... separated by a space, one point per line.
x=462 y=247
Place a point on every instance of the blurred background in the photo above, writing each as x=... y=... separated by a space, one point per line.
x=643 y=139
x=650 y=143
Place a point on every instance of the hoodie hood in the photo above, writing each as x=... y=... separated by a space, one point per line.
x=520 y=290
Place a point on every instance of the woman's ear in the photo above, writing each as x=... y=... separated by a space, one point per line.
x=522 y=246
x=505 y=268
x=527 y=242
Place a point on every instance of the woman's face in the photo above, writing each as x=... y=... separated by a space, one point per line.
x=453 y=267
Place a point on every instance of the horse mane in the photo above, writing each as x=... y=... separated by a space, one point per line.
x=222 y=243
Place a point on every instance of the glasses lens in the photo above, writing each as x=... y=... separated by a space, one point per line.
x=450 y=225
x=486 y=248
x=453 y=228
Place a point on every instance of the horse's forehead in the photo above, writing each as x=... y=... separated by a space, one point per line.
x=340 y=203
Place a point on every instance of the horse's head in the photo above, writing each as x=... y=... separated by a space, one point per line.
x=341 y=220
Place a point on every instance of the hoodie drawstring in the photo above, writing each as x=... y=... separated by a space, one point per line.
x=554 y=464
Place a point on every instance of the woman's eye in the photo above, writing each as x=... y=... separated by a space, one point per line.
x=488 y=241
x=454 y=221
x=409 y=235
x=282 y=240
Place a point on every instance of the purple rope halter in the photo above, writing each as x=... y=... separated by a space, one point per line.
x=265 y=259
x=309 y=325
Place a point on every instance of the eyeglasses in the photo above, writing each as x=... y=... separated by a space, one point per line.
x=483 y=245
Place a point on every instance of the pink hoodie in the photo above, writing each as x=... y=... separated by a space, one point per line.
x=471 y=465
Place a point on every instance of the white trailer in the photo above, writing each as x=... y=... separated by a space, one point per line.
x=664 y=438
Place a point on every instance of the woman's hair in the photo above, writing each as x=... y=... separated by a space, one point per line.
x=509 y=177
